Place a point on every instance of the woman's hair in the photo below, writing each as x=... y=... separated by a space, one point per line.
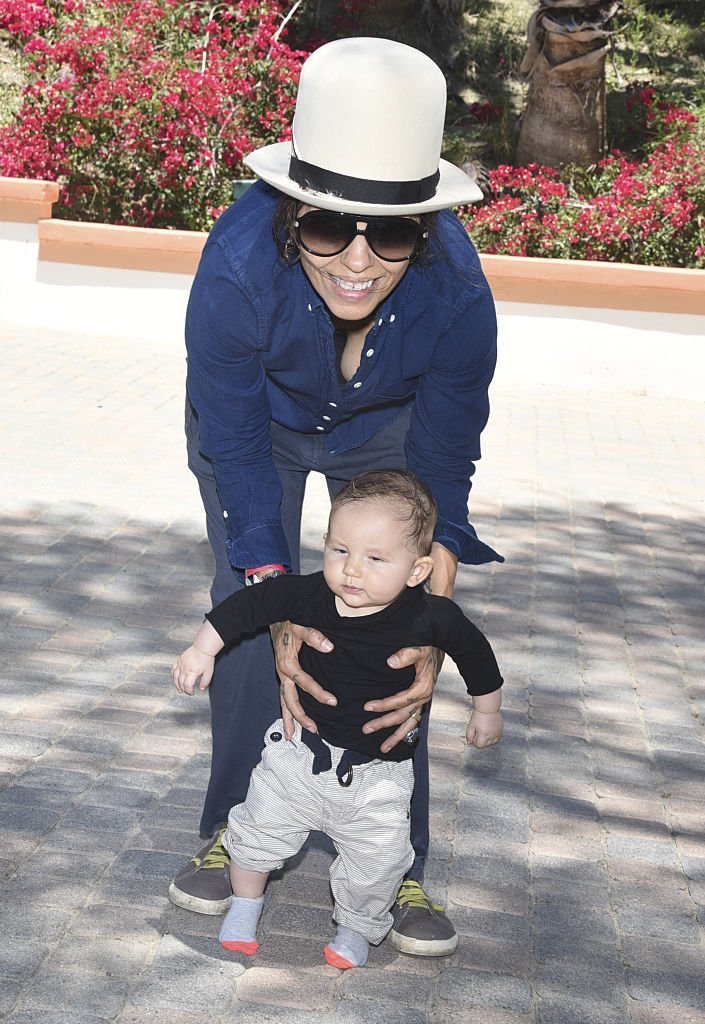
x=285 y=234
x=408 y=497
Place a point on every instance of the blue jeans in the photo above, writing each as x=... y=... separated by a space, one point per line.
x=244 y=693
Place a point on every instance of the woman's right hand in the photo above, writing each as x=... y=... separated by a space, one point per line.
x=287 y=639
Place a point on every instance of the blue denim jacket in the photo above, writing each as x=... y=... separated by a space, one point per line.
x=260 y=347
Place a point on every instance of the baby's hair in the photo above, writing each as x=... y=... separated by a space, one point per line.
x=411 y=499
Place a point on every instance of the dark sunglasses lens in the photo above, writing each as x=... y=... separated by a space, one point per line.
x=325 y=234
x=393 y=238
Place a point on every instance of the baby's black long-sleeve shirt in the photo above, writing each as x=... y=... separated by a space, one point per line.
x=356 y=670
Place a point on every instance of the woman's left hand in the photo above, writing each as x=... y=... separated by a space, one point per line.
x=287 y=639
x=402 y=709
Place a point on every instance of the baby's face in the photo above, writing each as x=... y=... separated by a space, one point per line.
x=366 y=562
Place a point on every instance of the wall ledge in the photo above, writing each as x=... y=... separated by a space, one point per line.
x=109 y=245
x=24 y=201
x=595 y=285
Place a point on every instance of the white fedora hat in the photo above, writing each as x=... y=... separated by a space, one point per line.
x=367 y=134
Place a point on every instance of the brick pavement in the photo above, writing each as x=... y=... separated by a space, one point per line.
x=572 y=856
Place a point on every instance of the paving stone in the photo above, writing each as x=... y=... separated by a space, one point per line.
x=684 y=990
x=142 y=1015
x=567 y=893
x=20 y=959
x=290 y=919
x=144 y=893
x=580 y=948
x=489 y=924
x=663 y=955
x=664 y=1013
x=87 y=817
x=569 y=1010
x=102 y=794
x=86 y=868
x=378 y=1013
x=17 y=745
x=568 y=870
x=371 y=985
x=487 y=871
x=131 y=924
x=248 y=1013
x=652 y=921
x=46 y=891
x=54 y=990
x=565 y=847
x=505 y=899
x=183 y=976
x=90 y=743
x=450 y=1014
x=80 y=842
x=482 y=988
x=655 y=852
x=47 y=1016
x=35 y=821
x=305 y=988
x=571 y=921
x=493 y=955
x=121 y=957
x=299 y=952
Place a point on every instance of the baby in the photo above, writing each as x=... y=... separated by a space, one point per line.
x=370 y=602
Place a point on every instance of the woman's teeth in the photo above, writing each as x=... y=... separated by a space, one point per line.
x=352 y=286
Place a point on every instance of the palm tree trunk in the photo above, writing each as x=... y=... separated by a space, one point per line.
x=564 y=119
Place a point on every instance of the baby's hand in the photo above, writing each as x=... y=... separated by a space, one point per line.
x=188 y=667
x=484 y=729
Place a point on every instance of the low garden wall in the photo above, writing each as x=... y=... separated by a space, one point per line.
x=562 y=323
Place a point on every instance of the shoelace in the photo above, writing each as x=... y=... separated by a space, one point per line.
x=216 y=856
x=412 y=895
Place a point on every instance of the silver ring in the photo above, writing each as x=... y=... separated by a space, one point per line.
x=412 y=736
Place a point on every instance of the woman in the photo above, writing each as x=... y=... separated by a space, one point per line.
x=339 y=323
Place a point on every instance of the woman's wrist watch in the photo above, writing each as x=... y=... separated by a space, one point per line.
x=264 y=572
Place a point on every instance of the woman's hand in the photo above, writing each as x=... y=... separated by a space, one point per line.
x=287 y=639
x=402 y=709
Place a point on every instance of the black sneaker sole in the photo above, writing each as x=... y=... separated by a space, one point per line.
x=423 y=947
x=197 y=904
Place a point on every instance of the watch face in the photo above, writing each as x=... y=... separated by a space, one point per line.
x=256 y=577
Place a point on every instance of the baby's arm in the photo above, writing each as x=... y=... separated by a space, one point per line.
x=485 y=725
x=197 y=660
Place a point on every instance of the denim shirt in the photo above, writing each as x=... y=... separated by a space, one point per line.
x=260 y=347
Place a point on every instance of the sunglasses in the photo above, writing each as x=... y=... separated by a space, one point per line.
x=393 y=239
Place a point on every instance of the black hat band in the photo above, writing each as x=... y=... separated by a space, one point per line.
x=362 y=190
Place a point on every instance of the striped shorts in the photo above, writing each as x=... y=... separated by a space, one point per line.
x=368 y=822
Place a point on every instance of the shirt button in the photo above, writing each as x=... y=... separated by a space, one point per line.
x=320 y=428
x=327 y=419
x=379 y=323
x=392 y=318
x=370 y=352
x=333 y=405
x=358 y=385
